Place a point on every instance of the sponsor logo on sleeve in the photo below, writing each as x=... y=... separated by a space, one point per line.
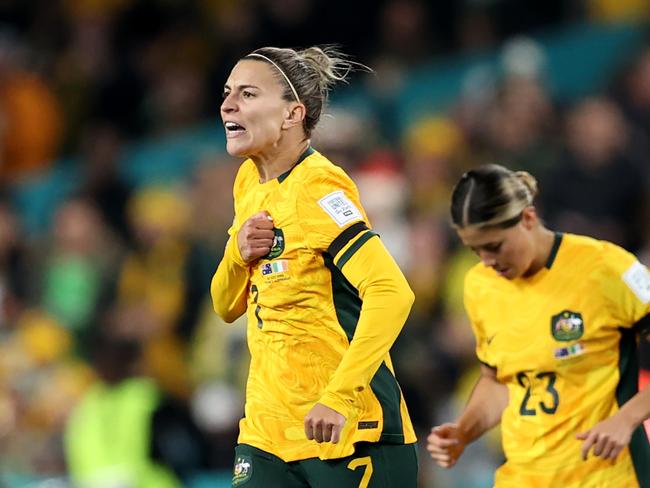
x=340 y=208
x=637 y=278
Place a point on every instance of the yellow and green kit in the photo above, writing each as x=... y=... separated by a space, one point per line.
x=564 y=343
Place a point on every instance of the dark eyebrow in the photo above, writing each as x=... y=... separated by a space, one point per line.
x=242 y=87
x=486 y=245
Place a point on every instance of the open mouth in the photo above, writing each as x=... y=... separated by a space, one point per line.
x=233 y=128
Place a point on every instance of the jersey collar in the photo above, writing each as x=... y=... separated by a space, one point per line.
x=308 y=152
x=556 y=246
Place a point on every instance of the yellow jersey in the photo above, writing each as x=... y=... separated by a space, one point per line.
x=304 y=315
x=563 y=341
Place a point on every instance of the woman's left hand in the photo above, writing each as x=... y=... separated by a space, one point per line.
x=324 y=424
x=607 y=438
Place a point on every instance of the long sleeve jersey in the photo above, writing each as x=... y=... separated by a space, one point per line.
x=324 y=308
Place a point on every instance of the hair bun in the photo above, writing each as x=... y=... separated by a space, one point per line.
x=529 y=182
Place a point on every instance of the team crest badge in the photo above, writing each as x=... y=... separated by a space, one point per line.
x=242 y=471
x=567 y=326
x=277 y=247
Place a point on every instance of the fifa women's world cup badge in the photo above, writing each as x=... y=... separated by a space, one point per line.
x=567 y=326
x=242 y=471
x=277 y=247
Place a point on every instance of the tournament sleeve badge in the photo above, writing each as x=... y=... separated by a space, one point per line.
x=340 y=208
x=637 y=278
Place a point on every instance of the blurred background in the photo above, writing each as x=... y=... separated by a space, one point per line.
x=115 y=197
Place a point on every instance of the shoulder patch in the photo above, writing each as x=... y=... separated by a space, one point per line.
x=637 y=278
x=340 y=208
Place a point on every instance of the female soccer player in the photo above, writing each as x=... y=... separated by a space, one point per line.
x=555 y=317
x=324 y=299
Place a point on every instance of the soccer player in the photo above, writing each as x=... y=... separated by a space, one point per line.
x=324 y=299
x=555 y=318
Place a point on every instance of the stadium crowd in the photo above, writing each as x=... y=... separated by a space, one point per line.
x=84 y=79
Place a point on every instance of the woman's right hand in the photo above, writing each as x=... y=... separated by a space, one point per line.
x=445 y=444
x=255 y=237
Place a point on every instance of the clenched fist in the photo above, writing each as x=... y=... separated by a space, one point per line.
x=324 y=424
x=255 y=237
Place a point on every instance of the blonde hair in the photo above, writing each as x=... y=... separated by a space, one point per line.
x=492 y=196
x=308 y=75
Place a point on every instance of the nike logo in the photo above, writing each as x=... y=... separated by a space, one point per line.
x=490 y=339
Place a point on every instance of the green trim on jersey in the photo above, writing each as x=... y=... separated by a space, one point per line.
x=491 y=366
x=308 y=152
x=344 y=238
x=347 y=304
x=354 y=248
x=385 y=387
x=554 y=249
x=626 y=389
x=643 y=325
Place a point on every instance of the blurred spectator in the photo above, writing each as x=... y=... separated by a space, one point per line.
x=86 y=60
x=518 y=127
x=219 y=361
x=618 y=10
x=433 y=150
x=175 y=67
x=152 y=285
x=633 y=95
x=210 y=213
x=348 y=135
x=595 y=188
x=475 y=30
x=404 y=32
x=14 y=276
x=39 y=383
x=77 y=272
x=218 y=355
x=30 y=117
x=383 y=191
x=427 y=243
x=100 y=155
x=123 y=432
x=404 y=41
x=85 y=78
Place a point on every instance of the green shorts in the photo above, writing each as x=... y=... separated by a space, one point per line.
x=371 y=466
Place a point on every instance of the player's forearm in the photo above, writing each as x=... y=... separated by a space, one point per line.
x=637 y=409
x=229 y=287
x=387 y=300
x=484 y=408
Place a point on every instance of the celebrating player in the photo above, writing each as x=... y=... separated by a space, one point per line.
x=555 y=318
x=324 y=299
